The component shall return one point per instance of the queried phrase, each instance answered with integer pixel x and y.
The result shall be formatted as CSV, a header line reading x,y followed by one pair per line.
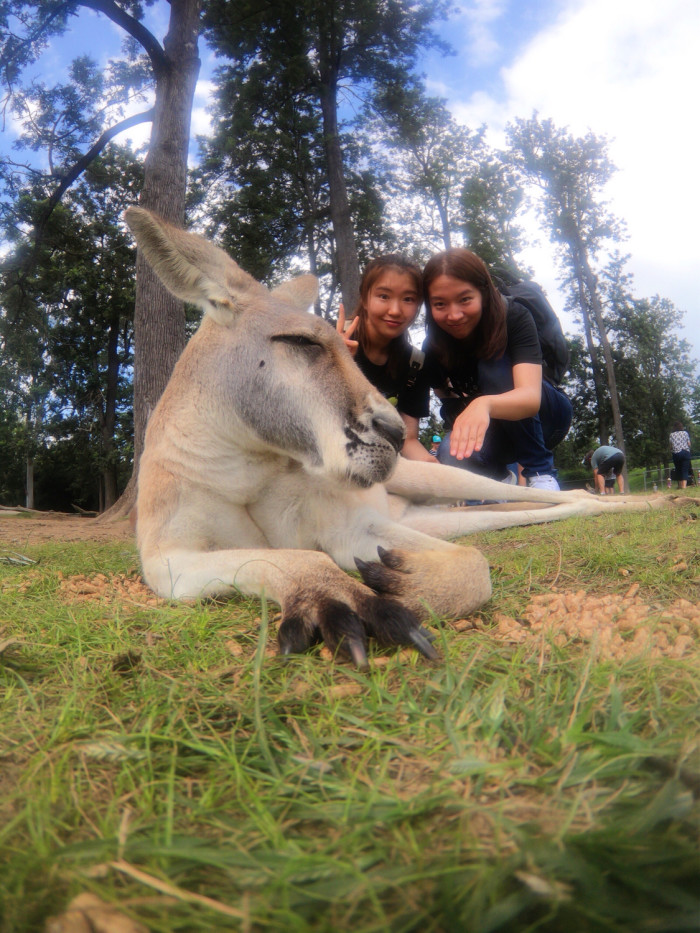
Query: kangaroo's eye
x,y
297,340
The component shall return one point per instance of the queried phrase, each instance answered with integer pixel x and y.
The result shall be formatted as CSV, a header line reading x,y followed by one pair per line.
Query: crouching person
x,y
603,461
484,361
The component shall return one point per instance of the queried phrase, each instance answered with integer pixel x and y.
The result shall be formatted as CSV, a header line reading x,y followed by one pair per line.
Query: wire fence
x,y
664,478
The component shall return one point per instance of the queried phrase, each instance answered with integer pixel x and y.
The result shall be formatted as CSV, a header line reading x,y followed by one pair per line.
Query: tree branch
x,y
136,30
75,171
79,167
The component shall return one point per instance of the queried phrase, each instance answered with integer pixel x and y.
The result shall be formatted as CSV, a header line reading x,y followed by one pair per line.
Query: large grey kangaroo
x,y
271,465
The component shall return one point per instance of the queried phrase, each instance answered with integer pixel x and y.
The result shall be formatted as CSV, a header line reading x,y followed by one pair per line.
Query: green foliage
x,y
580,390
435,155
291,181
60,120
262,179
172,68
572,173
67,334
363,39
66,301
11,449
654,370
655,374
491,200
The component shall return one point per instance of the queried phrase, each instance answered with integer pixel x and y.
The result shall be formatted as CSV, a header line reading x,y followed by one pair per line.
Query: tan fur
x,y
270,463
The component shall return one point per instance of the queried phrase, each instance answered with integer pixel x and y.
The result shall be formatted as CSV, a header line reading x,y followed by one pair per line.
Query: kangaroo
x,y
271,466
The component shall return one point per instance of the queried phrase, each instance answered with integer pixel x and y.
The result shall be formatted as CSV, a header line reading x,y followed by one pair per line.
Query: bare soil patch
x,y
20,529
102,587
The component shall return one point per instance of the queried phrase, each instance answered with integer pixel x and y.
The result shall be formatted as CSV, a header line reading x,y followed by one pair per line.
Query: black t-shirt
x,y
459,385
407,389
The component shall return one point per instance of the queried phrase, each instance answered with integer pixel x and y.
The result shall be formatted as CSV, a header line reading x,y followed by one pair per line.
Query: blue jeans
x,y
528,442
681,464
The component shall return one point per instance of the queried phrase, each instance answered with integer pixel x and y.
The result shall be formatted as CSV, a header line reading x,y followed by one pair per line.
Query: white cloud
x,y
626,70
481,16
201,117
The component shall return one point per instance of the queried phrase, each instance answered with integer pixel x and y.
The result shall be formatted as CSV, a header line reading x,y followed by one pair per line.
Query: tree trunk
x,y
313,267
607,355
444,221
159,318
583,269
346,253
108,486
603,430
29,483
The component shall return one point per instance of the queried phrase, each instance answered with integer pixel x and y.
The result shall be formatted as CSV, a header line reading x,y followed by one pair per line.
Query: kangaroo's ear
x,y
192,268
300,292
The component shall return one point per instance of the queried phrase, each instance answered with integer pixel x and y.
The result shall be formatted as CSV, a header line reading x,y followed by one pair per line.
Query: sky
x,y
624,69
628,70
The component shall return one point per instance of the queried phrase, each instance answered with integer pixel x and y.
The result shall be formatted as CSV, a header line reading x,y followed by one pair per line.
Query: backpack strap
x,y
415,364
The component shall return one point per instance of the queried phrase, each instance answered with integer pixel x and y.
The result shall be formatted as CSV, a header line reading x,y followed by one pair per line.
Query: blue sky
x,y
626,69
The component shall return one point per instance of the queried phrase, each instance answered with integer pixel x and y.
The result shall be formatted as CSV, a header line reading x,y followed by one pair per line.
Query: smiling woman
x,y
485,363
391,293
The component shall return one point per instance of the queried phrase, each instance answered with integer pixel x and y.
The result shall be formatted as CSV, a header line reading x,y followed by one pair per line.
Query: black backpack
x,y
555,350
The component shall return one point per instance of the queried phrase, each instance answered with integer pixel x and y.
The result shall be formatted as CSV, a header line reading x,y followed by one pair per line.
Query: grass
x,y
163,758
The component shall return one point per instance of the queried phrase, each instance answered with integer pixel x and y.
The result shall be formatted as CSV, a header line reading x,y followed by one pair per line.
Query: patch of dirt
x,y
620,626
19,529
88,912
101,587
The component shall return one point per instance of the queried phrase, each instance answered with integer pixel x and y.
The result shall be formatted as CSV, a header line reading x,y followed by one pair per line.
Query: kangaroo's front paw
x,y
328,620
346,623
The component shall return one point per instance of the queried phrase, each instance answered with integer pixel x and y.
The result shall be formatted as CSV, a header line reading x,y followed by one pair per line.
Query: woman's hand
x,y
522,401
470,427
352,345
412,448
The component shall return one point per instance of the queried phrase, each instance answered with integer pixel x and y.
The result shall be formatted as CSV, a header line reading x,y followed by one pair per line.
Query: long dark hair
x,y
491,335
400,346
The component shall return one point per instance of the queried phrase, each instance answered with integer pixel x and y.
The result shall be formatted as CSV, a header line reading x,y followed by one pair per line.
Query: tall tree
x,y
319,52
654,369
262,189
572,173
173,67
491,199
70,353
437,155
261,185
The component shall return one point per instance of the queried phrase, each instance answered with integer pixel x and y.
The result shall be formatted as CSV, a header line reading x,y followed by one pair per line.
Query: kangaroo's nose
x,y
390,426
